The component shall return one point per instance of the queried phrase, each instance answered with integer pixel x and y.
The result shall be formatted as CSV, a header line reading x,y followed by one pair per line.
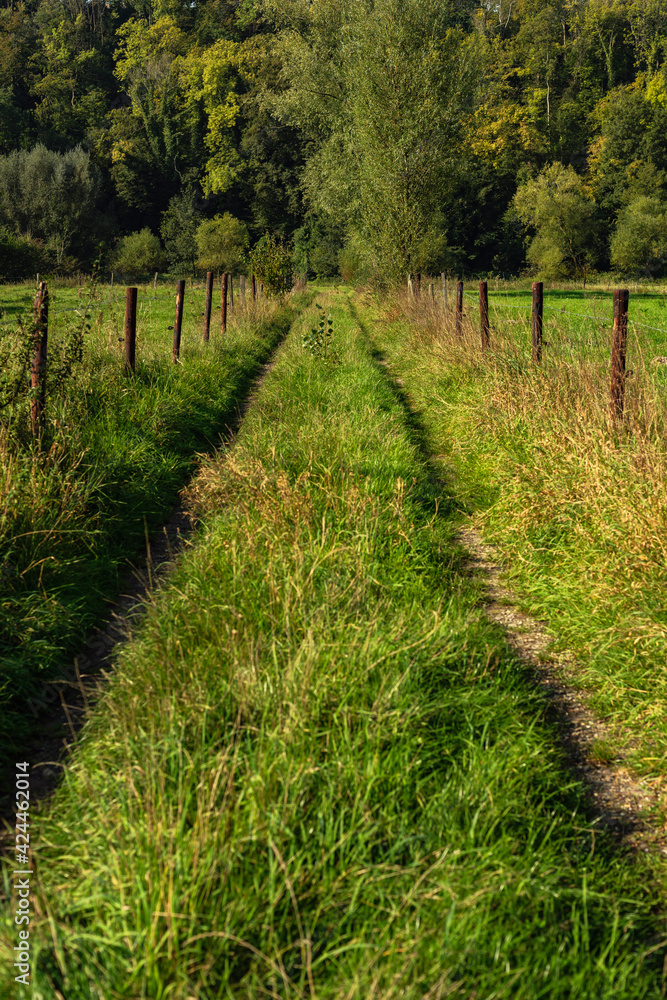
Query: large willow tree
x,y
382,89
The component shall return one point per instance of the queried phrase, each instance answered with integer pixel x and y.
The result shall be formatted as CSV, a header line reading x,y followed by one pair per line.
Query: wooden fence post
x,y
444,288
209,305
459,308
38,375
484,314
130,328
253,283
418,283
223,304
618,352
231,293
242,290
411,289
431,291
178,319
538,316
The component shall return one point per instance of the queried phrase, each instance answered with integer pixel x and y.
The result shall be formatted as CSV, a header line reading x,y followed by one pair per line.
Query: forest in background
x,y
376,137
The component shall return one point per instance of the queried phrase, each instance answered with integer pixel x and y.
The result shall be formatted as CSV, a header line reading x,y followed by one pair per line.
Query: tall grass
x,y
574,503
76,504
318,772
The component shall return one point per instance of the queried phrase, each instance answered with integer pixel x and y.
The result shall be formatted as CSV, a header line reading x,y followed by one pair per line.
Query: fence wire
x,y
566,312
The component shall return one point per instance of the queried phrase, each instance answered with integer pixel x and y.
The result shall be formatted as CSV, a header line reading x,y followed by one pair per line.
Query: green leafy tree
x,y
556,207
139,253
317,247
50,196
639,245
381,87
221,243
178,230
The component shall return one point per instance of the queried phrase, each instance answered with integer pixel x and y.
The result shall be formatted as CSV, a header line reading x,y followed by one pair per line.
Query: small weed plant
x,y
320,339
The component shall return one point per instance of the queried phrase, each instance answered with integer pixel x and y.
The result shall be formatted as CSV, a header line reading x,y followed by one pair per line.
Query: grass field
x,y
317,770
576,321
76,505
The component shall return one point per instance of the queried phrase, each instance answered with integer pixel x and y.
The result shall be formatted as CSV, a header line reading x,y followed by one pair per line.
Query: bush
x,y
221,243
139,253
272,262
556,205
639,245
20,258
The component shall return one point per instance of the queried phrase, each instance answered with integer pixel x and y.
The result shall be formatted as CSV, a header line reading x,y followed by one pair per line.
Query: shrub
x,y
19,257
221,242
139,253
639,244
272,262
556,205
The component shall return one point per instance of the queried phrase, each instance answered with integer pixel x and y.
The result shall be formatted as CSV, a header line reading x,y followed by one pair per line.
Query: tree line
x,y
376,137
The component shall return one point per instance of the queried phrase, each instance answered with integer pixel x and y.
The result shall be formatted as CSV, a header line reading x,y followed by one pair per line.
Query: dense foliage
x,y
379,136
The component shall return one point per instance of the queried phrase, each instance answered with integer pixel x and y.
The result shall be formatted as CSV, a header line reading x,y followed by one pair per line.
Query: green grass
x,y
574,506
115,452
577,322
318,771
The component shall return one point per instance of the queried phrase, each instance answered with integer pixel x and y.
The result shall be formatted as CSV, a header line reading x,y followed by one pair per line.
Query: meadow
x,y
317,769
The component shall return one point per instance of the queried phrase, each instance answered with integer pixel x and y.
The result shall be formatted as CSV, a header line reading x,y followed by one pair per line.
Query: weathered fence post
x,y
231,293
38,375
431,291
155,282
618,352
459,308
444,288
130,328
178,319
242,290
209,305
411,290
418,283
223,304
538,315
253,283
484,314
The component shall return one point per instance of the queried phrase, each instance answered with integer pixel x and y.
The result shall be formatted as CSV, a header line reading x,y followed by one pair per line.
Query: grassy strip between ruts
x,y
115,452
317,771
575,507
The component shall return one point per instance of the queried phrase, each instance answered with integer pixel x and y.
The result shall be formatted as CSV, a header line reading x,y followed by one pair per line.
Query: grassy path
x,y
575,508
318,772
